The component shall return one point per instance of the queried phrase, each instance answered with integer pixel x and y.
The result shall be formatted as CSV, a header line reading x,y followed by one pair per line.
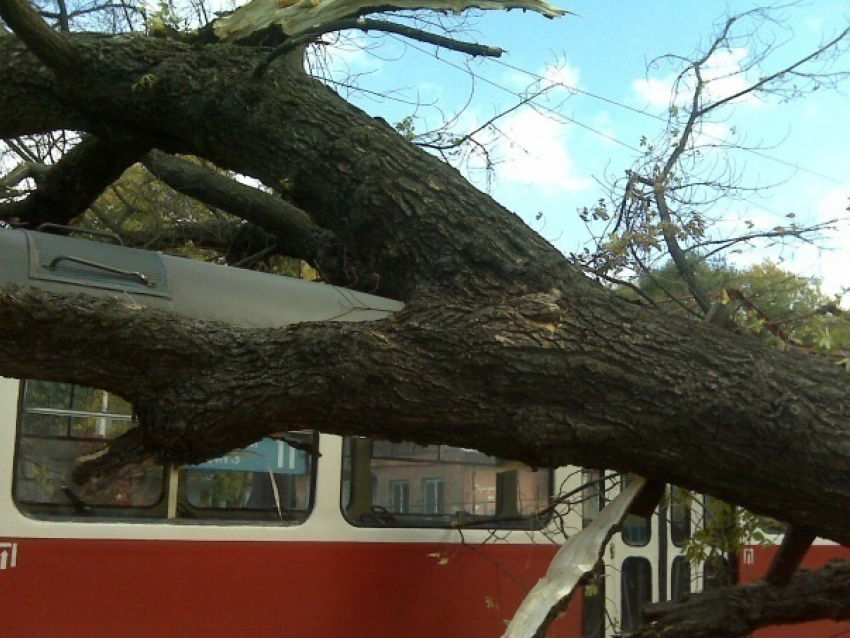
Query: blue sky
x,y
550,161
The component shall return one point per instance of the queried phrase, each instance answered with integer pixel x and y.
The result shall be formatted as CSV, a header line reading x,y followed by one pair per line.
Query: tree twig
x,y
365,25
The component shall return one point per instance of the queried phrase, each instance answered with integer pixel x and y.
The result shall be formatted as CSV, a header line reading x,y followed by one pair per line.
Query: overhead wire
x,y
606,100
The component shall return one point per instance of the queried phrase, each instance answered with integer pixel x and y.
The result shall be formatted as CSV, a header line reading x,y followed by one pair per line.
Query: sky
x,y
607,94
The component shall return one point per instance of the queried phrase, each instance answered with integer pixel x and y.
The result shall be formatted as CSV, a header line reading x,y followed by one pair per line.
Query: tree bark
x,y
733,612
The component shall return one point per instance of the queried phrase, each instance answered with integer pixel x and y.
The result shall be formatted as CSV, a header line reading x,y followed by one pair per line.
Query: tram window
x,y
409,485
593,604
680,578
680,516
593,495
636,590
772,526
269,480
57,424
636,529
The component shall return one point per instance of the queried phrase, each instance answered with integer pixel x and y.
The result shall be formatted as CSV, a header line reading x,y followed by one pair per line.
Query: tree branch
x,y
305,16
731,612
365,25
789,70
50,47
70,186
297,233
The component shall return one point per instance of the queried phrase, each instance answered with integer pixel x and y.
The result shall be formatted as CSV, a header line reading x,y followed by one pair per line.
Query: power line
x,y
661,119
519,96
606,100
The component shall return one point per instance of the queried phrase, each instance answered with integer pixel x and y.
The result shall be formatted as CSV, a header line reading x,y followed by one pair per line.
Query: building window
x,y
680,578
636,591
433,495
399,496
409,485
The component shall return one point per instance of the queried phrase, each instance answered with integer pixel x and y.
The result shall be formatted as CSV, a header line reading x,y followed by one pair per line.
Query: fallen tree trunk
x,y
504,346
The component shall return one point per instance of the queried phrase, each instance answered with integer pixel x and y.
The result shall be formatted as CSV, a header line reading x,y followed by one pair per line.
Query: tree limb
x,y
365,25
731,612
301,16
297,234
50,47
504,345
70,186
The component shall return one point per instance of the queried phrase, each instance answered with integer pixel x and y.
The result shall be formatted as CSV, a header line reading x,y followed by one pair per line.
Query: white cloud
x,y
725,78
722,75
560,76
826,260
351,53
556,75
535,152
655,91
832,267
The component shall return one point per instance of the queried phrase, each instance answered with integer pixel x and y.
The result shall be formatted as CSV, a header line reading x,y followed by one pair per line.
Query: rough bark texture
x,y
504,346
732,612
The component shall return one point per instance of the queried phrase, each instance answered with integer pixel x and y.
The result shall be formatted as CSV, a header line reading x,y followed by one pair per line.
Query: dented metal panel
x,y
190,288
95,264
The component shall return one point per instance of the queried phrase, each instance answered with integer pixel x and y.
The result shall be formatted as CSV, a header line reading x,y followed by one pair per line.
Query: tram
x,y
364,538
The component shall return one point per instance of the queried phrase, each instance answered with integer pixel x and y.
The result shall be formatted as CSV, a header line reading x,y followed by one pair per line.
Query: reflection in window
x,y
270,479
437,485
636,591
57,424
593,604
636,529
680,578
680,516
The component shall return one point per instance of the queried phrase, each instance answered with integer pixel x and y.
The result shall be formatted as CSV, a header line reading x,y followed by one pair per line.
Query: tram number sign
x,y
263,456
8,555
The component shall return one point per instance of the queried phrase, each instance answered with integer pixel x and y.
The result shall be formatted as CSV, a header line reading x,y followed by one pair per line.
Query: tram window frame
x,y
635,591
680,516
636,530
62,500
593,494
272,511
680,578
365,502
593,616
171,503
